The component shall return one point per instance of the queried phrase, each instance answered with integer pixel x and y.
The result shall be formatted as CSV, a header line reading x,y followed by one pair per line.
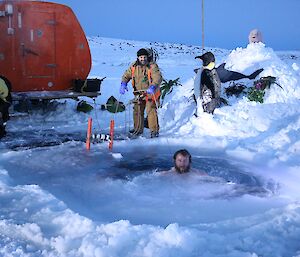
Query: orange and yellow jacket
x,y
140,76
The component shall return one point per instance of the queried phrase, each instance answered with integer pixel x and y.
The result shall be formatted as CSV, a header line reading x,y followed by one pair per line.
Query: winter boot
x,y
135,132
154,134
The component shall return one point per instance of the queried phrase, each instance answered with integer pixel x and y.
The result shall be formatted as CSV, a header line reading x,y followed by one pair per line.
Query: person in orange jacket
x,y
146,79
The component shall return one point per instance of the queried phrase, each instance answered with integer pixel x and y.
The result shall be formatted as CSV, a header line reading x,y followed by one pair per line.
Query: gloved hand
x,y
151,90
123,88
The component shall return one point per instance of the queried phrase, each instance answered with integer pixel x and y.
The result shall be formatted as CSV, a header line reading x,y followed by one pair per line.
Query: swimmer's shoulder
x,y
199,172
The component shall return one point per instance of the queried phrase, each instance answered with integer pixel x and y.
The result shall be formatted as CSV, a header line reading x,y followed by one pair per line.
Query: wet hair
x,y
184,153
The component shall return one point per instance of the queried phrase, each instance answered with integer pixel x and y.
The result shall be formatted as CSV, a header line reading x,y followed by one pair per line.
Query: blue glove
x,y
151,90
123,88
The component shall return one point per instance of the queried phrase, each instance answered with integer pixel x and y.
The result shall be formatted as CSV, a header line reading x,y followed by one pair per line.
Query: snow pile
x,y
257,56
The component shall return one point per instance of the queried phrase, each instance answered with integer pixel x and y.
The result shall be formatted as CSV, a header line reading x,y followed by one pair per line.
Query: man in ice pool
x,y
182,163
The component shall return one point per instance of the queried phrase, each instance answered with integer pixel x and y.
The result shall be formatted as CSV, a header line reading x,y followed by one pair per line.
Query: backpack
x,y
113,105
152,54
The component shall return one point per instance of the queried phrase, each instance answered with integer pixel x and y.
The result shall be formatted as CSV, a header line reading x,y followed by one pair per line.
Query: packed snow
x,y
58,199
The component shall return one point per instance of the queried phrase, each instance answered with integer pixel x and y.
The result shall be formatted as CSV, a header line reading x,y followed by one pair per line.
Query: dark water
x,y
30,139
160,158
97,185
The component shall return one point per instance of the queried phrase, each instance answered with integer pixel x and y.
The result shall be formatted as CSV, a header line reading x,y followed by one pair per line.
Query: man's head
x,y
142,55
182,161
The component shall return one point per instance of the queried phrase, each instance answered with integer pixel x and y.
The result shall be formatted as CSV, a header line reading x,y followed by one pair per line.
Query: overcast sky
x,y
227,22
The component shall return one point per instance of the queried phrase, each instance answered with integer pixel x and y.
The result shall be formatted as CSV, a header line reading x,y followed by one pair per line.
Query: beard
x,y
182,170
144,63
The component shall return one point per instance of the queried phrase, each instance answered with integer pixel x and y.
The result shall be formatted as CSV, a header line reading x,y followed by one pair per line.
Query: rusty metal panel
x,y
43,46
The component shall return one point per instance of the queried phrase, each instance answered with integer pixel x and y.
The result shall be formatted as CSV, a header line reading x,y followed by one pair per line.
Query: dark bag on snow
x,y
83,106
113,105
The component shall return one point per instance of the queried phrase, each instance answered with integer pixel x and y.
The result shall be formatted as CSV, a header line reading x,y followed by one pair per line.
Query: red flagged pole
x,y
111,134
89,134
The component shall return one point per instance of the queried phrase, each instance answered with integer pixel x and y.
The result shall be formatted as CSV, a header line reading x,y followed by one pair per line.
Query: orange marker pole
x,y
111,133
89,134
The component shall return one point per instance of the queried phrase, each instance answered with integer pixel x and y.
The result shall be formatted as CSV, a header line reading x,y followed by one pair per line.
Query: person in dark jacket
x,y
5,102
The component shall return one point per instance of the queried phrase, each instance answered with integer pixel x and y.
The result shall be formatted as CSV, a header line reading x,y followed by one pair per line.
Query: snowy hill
x,y
62,200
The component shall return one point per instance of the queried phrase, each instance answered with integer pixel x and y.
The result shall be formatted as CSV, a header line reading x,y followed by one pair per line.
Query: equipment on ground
x,y
113,105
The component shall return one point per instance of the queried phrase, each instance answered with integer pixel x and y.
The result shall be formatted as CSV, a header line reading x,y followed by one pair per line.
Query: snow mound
x,y
257,56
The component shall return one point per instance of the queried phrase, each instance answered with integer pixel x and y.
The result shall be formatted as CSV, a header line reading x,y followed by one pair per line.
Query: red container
x,y
42,46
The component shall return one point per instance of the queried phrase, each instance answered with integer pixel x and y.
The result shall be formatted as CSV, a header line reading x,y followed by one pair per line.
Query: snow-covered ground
x,y
63,200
